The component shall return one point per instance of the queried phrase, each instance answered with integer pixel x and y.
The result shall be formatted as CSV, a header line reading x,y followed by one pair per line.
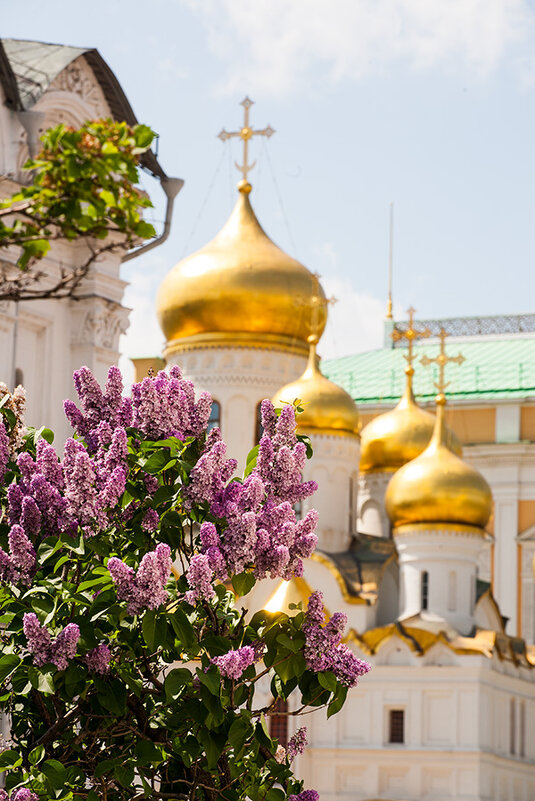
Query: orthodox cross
x,y
411,334
246,133
442,360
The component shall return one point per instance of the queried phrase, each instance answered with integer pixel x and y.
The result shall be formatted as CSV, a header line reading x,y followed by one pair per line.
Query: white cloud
x,y
272,45
355,321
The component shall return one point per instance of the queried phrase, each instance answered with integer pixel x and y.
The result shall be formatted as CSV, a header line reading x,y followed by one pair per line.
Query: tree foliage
x,y
129,670
83,188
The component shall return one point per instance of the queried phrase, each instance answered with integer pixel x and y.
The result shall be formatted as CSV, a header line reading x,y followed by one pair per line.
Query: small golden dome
x,y
327,408
438,487
240,288
396,437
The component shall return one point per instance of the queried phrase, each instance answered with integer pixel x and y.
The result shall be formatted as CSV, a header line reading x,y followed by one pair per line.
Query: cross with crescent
x,y
442,360
246,133
411,334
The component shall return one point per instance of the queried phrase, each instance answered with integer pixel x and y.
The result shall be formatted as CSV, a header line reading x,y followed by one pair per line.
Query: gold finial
x,y
390,257
442,360
245,133
411,334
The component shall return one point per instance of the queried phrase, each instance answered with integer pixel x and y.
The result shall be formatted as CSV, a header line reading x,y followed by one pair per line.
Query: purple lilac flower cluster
x,y
323,647
97,406
305,795
259,525
44,649
22,794
146,589
98,659
165,406
4,450
297,743
20,563
232,664
16,403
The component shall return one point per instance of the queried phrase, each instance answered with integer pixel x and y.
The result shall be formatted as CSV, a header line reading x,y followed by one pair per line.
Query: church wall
x,y
457,737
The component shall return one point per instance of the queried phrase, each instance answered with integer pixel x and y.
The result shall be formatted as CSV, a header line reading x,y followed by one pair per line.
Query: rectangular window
x,y
425,589
396,727
278,722
522,726
512,726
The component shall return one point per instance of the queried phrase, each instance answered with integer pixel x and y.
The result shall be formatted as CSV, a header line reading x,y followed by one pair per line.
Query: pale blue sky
x,y
428,104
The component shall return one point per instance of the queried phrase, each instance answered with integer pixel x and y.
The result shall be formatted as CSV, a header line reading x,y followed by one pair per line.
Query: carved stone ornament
x,y
99,322
79,79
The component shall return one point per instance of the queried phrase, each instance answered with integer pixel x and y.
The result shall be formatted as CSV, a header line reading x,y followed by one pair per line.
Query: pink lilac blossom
x,y
45,650
150,520
98,659
165,406
258,527
146,589
22,794
200,577
20,563
305,795
297,743
232,664
323,647
4,450
98,406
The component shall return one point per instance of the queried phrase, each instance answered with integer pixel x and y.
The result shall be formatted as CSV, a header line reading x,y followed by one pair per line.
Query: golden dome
x,y
438,487
396,437
240,288
327,408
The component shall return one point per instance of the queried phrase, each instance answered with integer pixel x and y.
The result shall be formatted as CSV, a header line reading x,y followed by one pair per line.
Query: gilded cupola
x,y
438,487
240,288
327,408
396,437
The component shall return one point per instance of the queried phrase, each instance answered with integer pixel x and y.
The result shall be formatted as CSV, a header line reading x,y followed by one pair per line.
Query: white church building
x,y
427,519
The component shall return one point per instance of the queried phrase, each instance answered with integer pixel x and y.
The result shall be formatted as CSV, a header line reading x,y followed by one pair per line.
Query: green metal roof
x,y
495,369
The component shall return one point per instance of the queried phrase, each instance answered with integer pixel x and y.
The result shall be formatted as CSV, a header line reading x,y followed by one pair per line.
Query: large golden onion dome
x,y
240,289
327,408
438,487
396,437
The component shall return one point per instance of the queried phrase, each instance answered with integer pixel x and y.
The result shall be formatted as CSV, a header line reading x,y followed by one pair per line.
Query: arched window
x,y
215,416
19,376
259,430
278,722
425,589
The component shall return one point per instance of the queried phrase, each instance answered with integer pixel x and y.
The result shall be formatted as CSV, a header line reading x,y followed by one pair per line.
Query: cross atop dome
x,y
245,134
442,360
411,334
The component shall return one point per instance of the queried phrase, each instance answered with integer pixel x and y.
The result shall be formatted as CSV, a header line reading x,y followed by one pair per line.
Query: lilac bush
x,y
127,669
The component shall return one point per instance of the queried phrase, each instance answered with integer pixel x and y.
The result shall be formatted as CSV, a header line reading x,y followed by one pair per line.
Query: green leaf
x,y
251,461
55,773
175,681
338,701
328,680
275,794
183,628
212,745
124,774
240,731
9,759
147,753
8,663
149,628
42,680
211,679
75,679
156,462
36,755
243,583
